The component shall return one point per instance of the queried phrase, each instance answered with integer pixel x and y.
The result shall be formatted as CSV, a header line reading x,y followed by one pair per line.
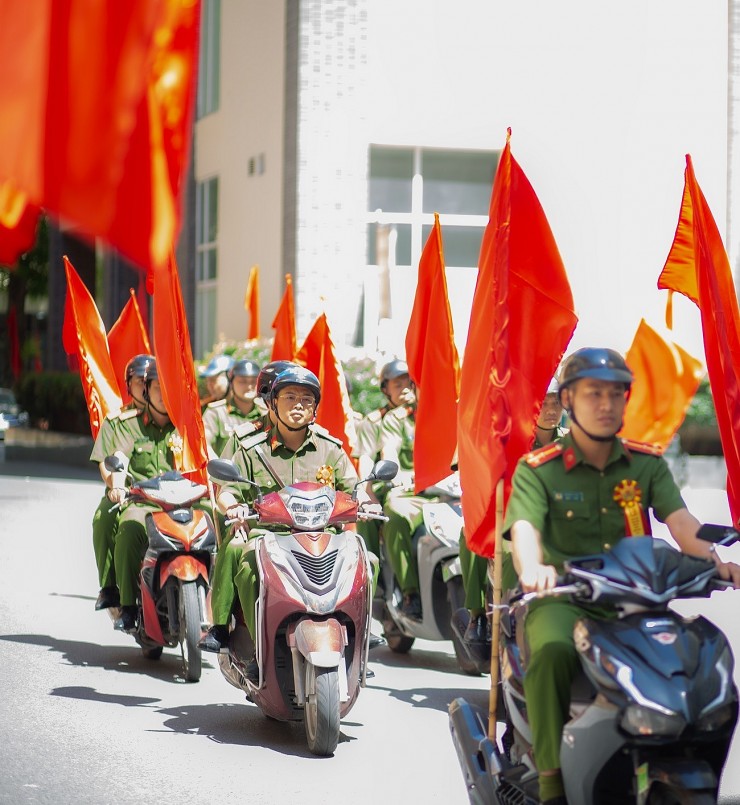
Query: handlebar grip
x,y
370,516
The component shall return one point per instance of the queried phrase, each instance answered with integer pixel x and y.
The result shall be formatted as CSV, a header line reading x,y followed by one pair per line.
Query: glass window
x,y
458,182
391,172
461,244
205,319
399,239
209,68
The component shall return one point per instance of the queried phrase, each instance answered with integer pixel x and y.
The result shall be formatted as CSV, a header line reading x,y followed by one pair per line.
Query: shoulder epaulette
x,y
247,428
324,433
249,440
217,403
544,454
642,447
129,414
374,416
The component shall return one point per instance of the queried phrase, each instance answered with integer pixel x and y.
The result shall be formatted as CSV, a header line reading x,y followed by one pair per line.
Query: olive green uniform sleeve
x,y
397,434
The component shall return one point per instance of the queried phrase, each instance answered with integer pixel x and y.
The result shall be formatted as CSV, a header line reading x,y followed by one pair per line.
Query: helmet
x,y
597,363
296,376
267,376
137,366
244,368
391,370
553,387
217,364
151,372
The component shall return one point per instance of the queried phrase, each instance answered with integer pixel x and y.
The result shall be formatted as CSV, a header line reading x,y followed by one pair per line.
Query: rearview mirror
x,y
384,471
114,464
224,471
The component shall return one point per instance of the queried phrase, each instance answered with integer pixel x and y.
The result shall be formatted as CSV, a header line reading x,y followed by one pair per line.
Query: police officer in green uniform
x,y
239,406
294,449
147,443
216,375
104,520
474,568
574,497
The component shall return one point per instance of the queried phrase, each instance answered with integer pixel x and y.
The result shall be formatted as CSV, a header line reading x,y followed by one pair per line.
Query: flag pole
x,y
496,622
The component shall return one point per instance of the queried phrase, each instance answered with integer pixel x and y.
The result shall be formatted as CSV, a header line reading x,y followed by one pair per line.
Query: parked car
x,y
11,415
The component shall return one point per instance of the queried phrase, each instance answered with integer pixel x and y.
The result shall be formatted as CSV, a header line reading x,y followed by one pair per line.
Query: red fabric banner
x,y
508,361
126,338
252,303
83,335
335,411
18,221
698,267
284,347
434,365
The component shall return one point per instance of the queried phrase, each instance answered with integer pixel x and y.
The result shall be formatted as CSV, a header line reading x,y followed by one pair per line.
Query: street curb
x,y
32,445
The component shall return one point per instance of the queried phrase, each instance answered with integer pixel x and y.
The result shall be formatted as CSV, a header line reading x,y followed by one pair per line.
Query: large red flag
x,y
335,410
521,321
177,371
284,348
97,103
666,379
11,322
17,224
126,338
434,366
252,303
698,267
83,335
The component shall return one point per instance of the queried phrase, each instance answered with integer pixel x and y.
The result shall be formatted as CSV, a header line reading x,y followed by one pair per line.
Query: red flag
x,y
177,371
11,322
666,379
284,348
252,303
83,335
434,366
521,321
17,224
335,410
697,267
97,105
126,338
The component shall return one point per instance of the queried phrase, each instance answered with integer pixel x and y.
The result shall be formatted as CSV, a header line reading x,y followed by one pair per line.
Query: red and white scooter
x,y
314,607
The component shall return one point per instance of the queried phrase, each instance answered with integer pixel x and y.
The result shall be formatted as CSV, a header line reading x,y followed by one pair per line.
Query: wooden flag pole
x,y
496,622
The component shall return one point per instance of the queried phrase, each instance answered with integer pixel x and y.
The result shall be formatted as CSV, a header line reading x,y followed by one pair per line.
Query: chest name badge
x,y
629,496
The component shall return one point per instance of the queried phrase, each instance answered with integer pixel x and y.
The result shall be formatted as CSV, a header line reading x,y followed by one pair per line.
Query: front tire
x,y
663,794
322,710
190,630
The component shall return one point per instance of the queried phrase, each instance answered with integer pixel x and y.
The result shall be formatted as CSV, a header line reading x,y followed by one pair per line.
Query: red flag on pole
x,y
14,345
177,371
83,335
284,348
508,361
97,103
335,410
697,267
434,366
126,338
252,303
18,221
666,378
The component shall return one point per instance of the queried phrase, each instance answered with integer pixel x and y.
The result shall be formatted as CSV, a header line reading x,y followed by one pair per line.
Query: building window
x,y
209,69
206,264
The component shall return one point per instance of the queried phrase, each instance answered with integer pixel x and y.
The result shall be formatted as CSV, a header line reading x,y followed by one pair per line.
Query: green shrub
x,y
701,411
54,400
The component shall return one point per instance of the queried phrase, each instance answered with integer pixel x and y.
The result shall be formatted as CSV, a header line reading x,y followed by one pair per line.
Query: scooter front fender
x,y
322,643
185,567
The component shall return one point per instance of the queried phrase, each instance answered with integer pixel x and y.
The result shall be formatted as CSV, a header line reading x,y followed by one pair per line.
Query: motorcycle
x,y
313,612
653,713
174,579
437,545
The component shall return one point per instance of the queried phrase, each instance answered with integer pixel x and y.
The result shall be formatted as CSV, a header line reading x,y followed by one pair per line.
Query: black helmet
x,y
267,376
137,367
151,372
297,376
597,363
391,370
217,365
244,368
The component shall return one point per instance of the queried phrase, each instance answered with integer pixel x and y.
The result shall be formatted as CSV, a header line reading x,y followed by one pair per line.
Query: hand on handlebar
x,y
239,515
728,571
371,511
537,578
117,494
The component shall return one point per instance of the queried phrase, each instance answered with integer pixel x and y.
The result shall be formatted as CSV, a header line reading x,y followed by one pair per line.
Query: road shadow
x,y
417,658
49,470
435,698
121,659
91,695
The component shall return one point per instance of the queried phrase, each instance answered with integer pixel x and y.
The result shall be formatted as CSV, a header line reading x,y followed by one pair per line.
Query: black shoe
x,y
369,673
253,670
108,597
216,639
478,630
128,618
411,606
375,641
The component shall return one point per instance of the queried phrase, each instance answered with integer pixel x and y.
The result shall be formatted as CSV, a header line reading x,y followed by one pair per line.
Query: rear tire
x,y
456,599
322,710
190,630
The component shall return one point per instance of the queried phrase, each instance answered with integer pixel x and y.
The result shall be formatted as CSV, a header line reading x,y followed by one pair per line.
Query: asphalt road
x,y
84,718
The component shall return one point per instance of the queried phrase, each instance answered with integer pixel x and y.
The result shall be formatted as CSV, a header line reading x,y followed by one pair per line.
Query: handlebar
x,y
579,589
370,516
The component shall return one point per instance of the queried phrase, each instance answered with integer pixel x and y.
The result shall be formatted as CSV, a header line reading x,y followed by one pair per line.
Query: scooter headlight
x,y
640,720
717,718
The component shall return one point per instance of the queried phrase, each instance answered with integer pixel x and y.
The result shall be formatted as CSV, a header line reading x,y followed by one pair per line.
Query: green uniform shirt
x,y
321,456
369,432
147,446
572,502
397,432
221,418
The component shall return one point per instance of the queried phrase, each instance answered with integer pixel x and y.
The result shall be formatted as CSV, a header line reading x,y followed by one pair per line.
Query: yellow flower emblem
x,y
175,444
325,475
